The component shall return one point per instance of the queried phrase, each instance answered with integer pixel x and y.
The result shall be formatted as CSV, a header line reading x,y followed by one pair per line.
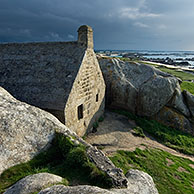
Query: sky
x,y
117,24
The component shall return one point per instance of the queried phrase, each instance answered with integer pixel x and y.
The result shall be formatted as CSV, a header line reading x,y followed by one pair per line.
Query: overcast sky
x,y
117,24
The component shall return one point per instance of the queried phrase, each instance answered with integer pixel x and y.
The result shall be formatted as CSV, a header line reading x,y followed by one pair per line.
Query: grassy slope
x,y
63,158
177,73
168,178
170,137
186,85
172,178
189,86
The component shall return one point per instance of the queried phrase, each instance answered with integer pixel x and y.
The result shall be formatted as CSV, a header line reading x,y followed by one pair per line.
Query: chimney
x,y
85,36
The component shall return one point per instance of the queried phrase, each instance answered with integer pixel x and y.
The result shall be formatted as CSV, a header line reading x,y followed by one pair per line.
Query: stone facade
x,y
61,77
86,100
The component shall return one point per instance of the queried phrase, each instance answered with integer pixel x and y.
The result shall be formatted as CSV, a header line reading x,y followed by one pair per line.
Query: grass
x,y
63,158
138,131
96,124
181,74
176,176
186,77
170,137
175,72
189,86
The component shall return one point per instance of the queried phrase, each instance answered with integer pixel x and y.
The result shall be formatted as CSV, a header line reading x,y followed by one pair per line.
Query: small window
x,y
96,97
80,111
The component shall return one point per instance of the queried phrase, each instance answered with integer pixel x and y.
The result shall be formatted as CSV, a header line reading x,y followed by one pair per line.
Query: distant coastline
x,y
175,58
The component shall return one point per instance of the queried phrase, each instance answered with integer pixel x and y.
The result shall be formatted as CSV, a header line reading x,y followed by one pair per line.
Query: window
x,y
80,111
96,97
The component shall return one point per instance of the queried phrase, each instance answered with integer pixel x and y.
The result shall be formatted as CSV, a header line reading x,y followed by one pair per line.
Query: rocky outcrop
x,y
147,91
190,101
103,163
155,94
136,87
177,102
172,118
34,183
84,189
26,130
139,182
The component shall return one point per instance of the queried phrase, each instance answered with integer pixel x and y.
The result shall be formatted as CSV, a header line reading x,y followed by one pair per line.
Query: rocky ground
x,y
26,131
116,133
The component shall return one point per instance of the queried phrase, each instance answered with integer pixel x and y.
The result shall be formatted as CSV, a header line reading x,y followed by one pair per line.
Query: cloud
x,y
141,25
135,13
70,36
55,36
117,24
162,27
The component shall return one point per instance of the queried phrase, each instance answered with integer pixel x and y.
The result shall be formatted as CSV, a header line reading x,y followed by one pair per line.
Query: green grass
x,y
138,131
175,72
181,74
170,137
63,158
168,177
189,86
184,76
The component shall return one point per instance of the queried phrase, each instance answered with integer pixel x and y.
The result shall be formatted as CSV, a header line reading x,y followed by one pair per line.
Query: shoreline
x,y
186,69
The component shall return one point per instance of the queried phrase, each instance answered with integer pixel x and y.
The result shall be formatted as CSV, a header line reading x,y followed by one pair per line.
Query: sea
x,y
176,56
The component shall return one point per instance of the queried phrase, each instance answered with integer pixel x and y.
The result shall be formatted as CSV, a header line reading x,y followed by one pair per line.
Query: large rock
x,y
139,183
190,101
26,130
136,87
34,183
84,189
155,94
103,163
145,90
172,118
177,102
120,91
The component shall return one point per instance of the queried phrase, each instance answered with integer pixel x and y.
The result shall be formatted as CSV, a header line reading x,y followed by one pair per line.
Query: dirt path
x,y
115,133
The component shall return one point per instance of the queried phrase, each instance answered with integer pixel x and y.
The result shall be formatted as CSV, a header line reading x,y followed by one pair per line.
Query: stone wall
x,y
63,78
40,74
87,92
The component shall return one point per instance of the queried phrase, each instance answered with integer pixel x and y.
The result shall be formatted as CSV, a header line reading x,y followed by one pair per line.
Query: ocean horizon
x,y
177,56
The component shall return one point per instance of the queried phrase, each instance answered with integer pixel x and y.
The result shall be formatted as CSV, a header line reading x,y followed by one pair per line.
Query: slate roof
x,y
40,74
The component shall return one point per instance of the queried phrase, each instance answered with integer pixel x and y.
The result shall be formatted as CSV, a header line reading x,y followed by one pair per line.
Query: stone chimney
x,y
85,36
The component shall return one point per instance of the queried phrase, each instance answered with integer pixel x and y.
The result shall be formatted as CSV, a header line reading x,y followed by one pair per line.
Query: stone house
x,y
63,78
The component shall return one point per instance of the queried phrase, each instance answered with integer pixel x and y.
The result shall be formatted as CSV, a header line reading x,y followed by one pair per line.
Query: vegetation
x,y
171,174
189,86
138,131
63,158
101,119
170,137
185,76
96,124
128,59
177,73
